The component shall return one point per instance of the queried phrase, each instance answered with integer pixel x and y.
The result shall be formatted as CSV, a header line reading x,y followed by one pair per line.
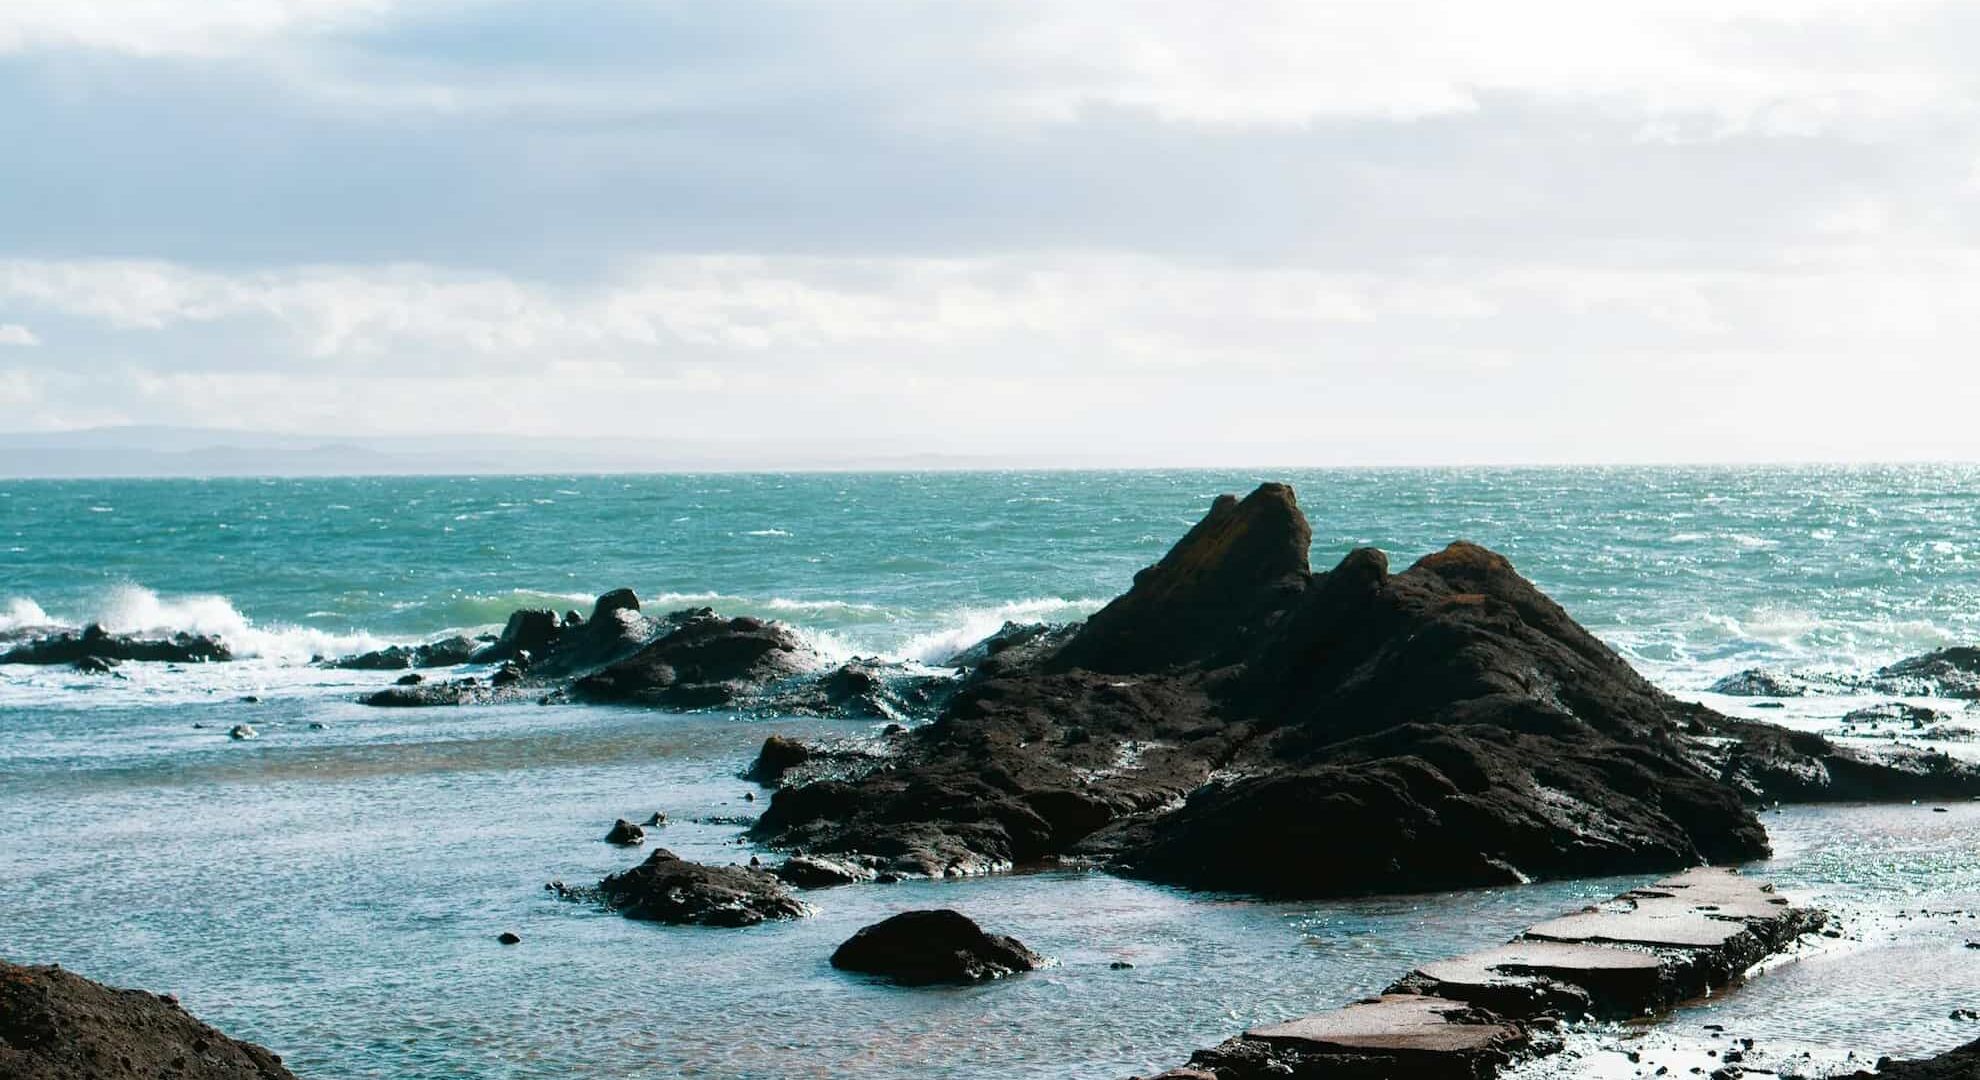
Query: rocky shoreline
x,y
1237,721
55,1025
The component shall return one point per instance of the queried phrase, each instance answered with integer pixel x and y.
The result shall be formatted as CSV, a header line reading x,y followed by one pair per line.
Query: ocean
x,y
333,888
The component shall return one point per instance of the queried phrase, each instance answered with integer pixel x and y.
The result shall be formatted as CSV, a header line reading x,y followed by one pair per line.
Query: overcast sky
x,y
1325,232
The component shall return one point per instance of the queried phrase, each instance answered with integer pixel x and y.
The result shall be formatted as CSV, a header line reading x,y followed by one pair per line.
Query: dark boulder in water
x,y
532,630
704,660
95,665
922,948
1235,721
667,888
55,1025
626,833
780,754
97,644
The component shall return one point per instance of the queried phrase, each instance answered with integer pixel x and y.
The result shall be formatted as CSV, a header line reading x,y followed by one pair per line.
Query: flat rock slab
x,y
1700,909
1469,1017
1397,1023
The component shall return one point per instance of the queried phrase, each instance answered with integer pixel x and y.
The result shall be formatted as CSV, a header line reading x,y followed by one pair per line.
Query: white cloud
x,y
16,334
205,28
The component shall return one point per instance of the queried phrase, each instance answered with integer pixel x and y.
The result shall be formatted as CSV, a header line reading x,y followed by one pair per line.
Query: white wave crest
x,y
134,609
967,626
22,612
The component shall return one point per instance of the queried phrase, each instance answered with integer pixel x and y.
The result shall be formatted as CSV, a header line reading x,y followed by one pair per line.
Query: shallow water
x,y
335,892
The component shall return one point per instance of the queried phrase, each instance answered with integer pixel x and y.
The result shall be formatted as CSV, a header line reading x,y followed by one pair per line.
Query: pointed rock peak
x,y
1236,566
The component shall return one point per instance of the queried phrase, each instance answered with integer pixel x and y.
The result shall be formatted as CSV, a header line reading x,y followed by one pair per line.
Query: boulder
x,y
1759,682
667,888
920,948
531,630
446,652
55,1025
1953,672
778,756
95,642
703,660
626,833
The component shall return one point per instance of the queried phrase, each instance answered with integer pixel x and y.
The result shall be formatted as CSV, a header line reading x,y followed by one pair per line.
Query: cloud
x,y
16,334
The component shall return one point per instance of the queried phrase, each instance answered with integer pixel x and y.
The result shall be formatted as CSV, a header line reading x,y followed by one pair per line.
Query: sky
x,y
1312,232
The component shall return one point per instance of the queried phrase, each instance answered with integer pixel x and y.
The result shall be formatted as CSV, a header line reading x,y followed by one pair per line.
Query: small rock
x,y
243,732
918,948
413,679
625,833
509,937
657,820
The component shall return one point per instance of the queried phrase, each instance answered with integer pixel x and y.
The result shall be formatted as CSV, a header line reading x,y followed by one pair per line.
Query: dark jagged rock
x,y
532,630
921,948
704,660
94,642
1209,597
626,833
55,1025
615,631
447,652
1237,722
667,888
1962,1063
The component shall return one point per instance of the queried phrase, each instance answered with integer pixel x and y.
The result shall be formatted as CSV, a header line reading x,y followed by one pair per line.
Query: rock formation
x,y
94,643
667,888
1237,721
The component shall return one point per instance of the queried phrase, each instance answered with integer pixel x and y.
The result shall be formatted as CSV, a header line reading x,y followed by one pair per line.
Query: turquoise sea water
x,y
334,891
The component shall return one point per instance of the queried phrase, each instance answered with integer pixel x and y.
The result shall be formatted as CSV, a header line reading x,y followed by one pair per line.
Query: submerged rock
x,y
94,643
55,1025
920,948
667,888
242,732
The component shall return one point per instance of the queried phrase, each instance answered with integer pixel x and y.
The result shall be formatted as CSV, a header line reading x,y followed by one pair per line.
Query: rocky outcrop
x,y
1962,1063
812,872
446,652
1469,1017
625,834
1774,764
667,888
93,644
55,1025
922,948
1237,722
703,660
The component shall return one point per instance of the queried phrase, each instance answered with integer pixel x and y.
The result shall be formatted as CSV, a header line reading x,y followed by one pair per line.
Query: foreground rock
x,y
920,948
94,646
1960,1064
667,888
55,1025
1469,1017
